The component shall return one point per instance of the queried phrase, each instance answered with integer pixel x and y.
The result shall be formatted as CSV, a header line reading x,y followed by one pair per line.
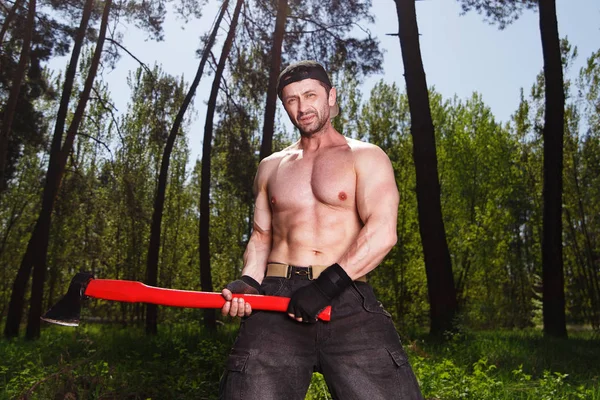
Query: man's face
x,y
307,104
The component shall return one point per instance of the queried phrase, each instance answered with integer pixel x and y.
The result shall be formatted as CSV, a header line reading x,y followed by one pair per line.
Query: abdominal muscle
x,y
314,235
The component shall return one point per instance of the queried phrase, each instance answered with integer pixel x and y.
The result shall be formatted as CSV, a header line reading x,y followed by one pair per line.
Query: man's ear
x,y
332,97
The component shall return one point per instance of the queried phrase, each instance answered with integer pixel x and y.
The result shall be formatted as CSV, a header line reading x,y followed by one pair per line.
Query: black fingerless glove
x,y
245,285
309,300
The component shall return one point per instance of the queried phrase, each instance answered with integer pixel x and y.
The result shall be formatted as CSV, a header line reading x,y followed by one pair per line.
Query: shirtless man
x,y
325,216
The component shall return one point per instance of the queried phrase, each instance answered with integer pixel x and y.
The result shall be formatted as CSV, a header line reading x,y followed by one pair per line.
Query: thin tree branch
x,y
110,110
213,63
225,89
132,56
93,138
6,9
323,27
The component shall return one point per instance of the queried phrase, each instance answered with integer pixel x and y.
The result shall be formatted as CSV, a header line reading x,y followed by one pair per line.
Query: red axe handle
x,y
133,292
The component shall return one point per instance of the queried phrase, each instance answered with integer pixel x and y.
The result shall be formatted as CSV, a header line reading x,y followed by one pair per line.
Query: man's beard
x,y
315,126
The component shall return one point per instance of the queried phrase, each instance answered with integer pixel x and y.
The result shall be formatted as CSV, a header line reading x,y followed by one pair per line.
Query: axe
x,y
83,285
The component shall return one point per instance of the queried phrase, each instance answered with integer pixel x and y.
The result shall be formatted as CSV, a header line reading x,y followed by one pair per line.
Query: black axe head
x,y
68,309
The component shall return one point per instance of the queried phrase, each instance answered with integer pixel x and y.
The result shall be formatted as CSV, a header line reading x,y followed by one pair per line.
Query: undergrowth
x,y
183,362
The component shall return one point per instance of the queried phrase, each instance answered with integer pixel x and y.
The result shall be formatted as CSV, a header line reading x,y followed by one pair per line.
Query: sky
x,y
461,53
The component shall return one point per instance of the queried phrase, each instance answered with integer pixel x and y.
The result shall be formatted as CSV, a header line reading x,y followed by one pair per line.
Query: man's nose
x,y
302,106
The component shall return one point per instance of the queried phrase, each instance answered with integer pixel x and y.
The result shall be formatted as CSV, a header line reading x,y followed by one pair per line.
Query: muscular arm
x,y
377,206
377,202
259,245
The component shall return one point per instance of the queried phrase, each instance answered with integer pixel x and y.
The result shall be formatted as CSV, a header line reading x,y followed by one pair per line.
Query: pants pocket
x,y
407,384
231,385
399,357
365,294
272,286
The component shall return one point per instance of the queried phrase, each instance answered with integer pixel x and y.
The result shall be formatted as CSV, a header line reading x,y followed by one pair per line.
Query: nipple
x,y
273,200
342,196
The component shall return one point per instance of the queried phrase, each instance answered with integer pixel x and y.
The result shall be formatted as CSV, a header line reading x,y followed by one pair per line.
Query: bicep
x,y
262,205
377,193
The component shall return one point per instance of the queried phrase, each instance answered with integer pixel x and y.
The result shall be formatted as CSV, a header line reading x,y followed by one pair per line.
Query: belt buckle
x,y
306,272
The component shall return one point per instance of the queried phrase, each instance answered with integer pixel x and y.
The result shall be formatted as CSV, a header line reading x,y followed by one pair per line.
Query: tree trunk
x,y
553,297
204,237
54,176
15,310
266,146
13,98
438,266
9,17
159,201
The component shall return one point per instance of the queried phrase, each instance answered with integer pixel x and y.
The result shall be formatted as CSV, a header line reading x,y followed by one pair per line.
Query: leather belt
x,y
287,271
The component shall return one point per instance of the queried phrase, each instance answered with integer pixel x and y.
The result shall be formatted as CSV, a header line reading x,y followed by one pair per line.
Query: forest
x,y
498,224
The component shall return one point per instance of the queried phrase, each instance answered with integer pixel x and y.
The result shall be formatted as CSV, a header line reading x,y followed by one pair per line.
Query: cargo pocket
x,y
237,362
407,385
231,385
398,356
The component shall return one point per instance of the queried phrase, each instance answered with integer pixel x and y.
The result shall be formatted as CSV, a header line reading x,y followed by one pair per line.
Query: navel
x,y
342,196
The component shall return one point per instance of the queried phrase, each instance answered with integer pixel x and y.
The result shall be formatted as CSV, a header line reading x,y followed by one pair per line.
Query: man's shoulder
x,y
277,156
271,162
365,150
359,145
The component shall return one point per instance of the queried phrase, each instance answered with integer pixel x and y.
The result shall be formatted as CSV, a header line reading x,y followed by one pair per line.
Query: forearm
x,y
257,254
374,241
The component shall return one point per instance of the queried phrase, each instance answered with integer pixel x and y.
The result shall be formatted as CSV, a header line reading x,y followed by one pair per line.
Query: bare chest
x,y
328,179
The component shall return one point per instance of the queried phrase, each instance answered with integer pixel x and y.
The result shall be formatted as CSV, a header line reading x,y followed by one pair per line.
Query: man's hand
x,y
308,301
238,307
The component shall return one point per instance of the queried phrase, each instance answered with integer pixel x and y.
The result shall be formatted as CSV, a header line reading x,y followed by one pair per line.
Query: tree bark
x,y
159,201
15,310
204,237
553,297
438,266
15,90
266,146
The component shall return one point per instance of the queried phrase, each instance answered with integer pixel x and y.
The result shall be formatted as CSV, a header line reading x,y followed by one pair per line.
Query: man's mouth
x,y
306,118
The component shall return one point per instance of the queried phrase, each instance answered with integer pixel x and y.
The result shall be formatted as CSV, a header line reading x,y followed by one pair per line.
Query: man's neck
x,y
326,137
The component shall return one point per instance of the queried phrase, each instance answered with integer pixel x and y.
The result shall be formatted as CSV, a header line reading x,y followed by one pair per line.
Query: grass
x,y
100,362
108,362
508,365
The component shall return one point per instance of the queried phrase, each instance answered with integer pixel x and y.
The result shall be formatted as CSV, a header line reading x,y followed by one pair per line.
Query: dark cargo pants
x,y
358,352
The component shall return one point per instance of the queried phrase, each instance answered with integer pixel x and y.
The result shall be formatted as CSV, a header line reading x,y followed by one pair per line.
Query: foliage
x,y
385,121
498,12
106,361
508,365
186,362
316,30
